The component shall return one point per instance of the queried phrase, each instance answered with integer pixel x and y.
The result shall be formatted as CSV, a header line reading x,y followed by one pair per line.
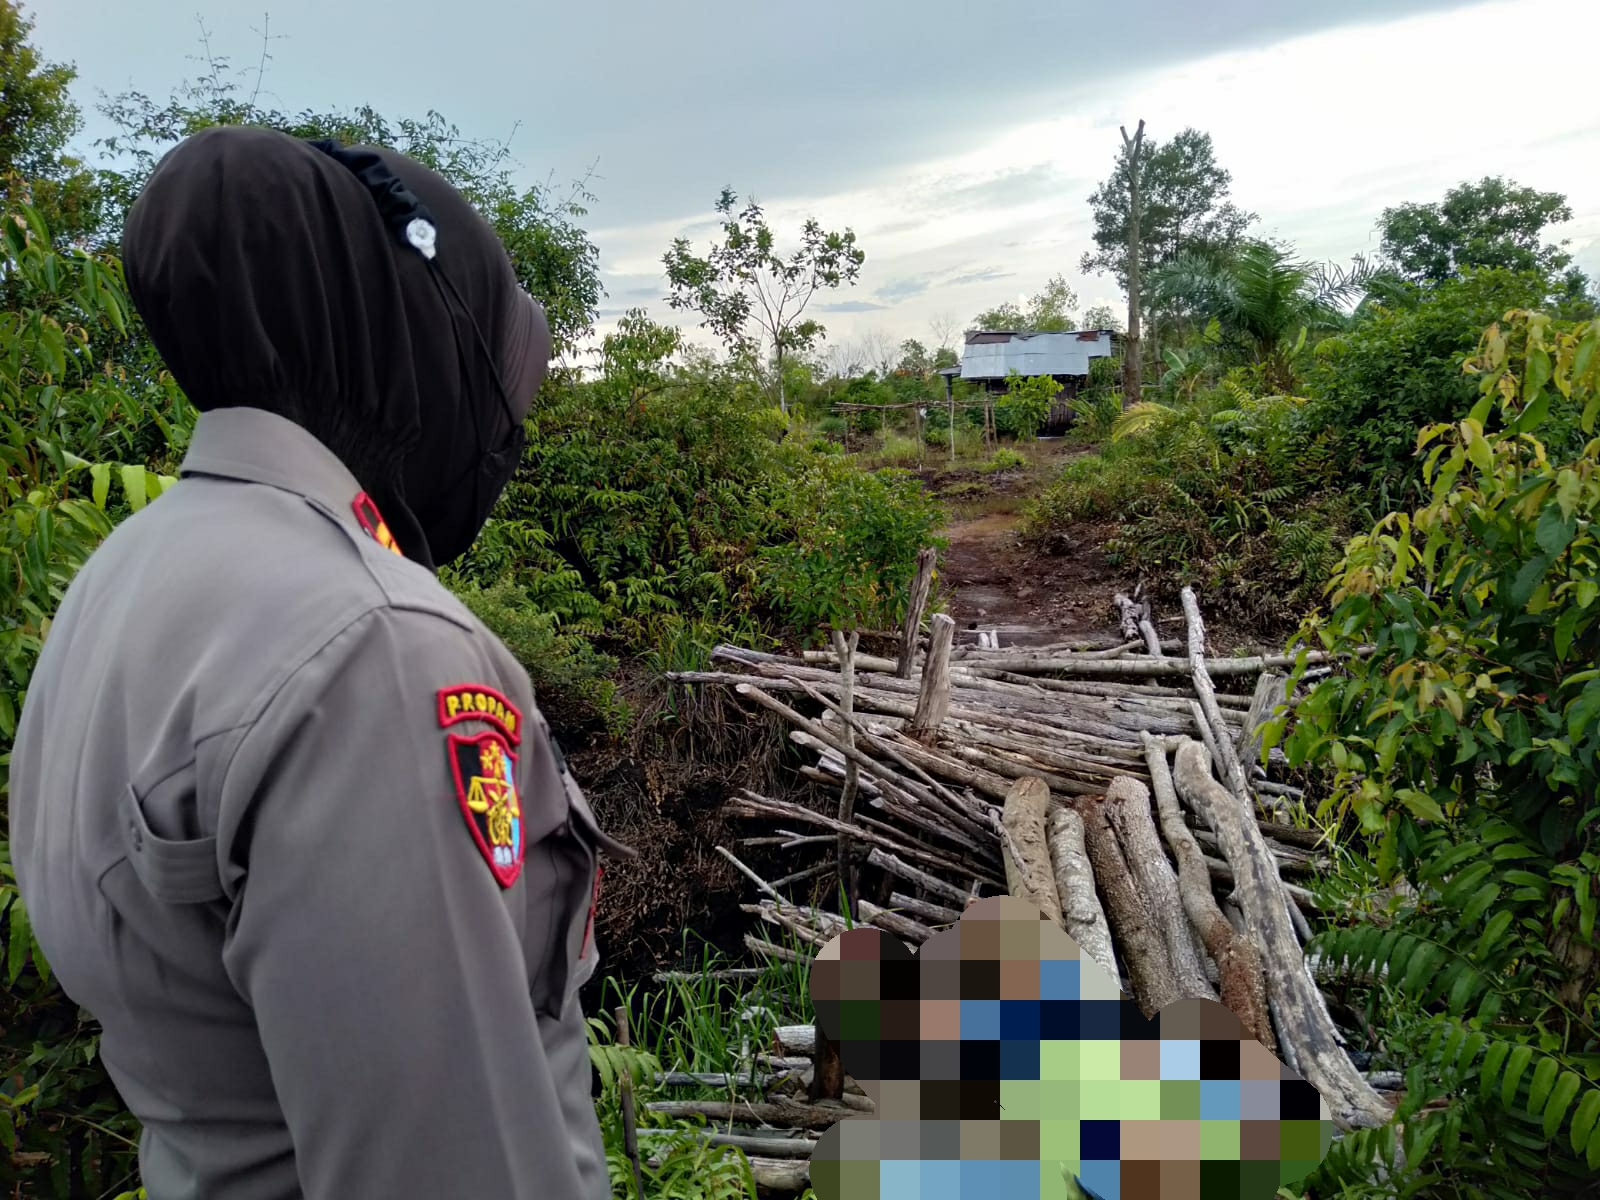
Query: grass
x,y
695,1023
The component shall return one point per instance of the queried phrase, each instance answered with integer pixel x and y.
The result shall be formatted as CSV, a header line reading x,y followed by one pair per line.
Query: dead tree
x,y
1131,374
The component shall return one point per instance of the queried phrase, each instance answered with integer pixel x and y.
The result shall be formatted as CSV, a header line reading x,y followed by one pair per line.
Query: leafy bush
x,y
1027,402
1237,494
66,394
1005,459
1399,370
1467,743
853,549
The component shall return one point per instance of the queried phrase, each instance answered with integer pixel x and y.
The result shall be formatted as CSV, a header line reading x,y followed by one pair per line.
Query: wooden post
x,y
1025,845
921,586
933,702
1131,364
630,1128
950,399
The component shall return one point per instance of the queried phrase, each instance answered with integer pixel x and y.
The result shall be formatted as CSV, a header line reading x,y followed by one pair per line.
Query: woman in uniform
x,y
250,816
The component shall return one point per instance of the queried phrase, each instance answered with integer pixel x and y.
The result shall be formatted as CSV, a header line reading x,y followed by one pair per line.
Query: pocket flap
x,y
177,872
579,805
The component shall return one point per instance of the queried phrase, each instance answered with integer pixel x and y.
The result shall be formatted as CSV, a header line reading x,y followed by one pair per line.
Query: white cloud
x,y
1321,132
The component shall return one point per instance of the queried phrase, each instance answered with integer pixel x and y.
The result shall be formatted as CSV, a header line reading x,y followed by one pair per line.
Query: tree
x,y
1491,223
743,280
1102,316
1132,266
1028,401
1185,205
944,328
1265,302
37,120
1051,309
914,358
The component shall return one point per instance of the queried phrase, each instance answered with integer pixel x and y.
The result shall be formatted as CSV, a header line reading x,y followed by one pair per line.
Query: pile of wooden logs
x,y
1117,785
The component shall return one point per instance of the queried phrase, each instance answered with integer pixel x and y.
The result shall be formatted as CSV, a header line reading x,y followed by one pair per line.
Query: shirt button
x,y
138,838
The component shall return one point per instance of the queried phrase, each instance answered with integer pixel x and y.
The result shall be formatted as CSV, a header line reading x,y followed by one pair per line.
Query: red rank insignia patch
x,y
370,519
485,772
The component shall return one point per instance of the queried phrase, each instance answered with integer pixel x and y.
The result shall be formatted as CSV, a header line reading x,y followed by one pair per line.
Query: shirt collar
x,y
257,446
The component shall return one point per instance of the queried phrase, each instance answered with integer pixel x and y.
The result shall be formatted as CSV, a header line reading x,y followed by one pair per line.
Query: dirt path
x,y
992,581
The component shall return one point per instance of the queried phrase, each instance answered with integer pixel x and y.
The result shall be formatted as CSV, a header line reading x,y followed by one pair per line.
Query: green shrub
x,y
77,423
1005,459
1400,370
853,548
831,426
1466,743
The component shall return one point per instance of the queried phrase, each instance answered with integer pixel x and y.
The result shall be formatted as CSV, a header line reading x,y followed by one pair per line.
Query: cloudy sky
x,y
960,147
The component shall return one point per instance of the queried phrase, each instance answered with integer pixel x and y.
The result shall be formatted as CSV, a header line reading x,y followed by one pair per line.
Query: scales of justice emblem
x,y
485,776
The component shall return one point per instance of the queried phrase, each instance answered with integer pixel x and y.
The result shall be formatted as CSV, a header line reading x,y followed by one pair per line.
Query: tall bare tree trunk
x,y
1131,363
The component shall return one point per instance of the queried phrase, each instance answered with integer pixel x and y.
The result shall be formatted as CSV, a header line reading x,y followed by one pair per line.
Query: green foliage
x,y
1399,369
37,120
1028,402
1492,223
1005,459
1265,305
1051,309
1466,743
75,425
1236,494
853,550
743,280
1185,202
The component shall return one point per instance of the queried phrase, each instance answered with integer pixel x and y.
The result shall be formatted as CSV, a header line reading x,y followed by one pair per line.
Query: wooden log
x,y
928,883
1223,873
796,1039
769,950
1143,949
720,975
933,914
845,647
785,1064
892,922
933,703
783,1116
921,586
1026,847
1081,914
1127,804
1142,666
1305,1028
1243,987
998,769
1269,695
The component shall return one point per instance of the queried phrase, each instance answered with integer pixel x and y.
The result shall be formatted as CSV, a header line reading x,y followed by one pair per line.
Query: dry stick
x,y
928,883
901,927
749,804
750,875
1269,695
1144,666
846,648
770,950
1081,914
1243,986
1305,1029
1229,766
921,586
630,1128
933,704
1143,949
1299,897
1026,847
1127,805
934,913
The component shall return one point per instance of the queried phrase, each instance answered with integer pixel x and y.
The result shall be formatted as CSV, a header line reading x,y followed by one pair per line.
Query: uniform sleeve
x,y
385,963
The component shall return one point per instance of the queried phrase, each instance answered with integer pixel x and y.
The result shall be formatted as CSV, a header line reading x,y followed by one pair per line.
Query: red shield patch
x,y
485,773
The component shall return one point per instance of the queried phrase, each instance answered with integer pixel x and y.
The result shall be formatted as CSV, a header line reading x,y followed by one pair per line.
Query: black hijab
x,y
268,278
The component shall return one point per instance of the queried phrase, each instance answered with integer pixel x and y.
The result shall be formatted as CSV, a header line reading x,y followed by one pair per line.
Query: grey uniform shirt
x,y
242,819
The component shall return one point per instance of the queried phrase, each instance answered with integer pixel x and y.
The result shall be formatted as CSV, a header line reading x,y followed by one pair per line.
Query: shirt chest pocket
x,y
173,870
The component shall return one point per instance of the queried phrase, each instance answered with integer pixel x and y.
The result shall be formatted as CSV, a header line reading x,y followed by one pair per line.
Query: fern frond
x,y
1140,419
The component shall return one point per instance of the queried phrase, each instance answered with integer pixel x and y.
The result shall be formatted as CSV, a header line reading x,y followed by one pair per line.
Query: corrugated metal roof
x,y
994,354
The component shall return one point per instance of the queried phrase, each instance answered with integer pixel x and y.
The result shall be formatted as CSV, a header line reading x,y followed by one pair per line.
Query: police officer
x,y
285,814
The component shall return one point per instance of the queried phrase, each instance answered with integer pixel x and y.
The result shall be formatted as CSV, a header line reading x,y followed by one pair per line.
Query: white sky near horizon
x,y
965,180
